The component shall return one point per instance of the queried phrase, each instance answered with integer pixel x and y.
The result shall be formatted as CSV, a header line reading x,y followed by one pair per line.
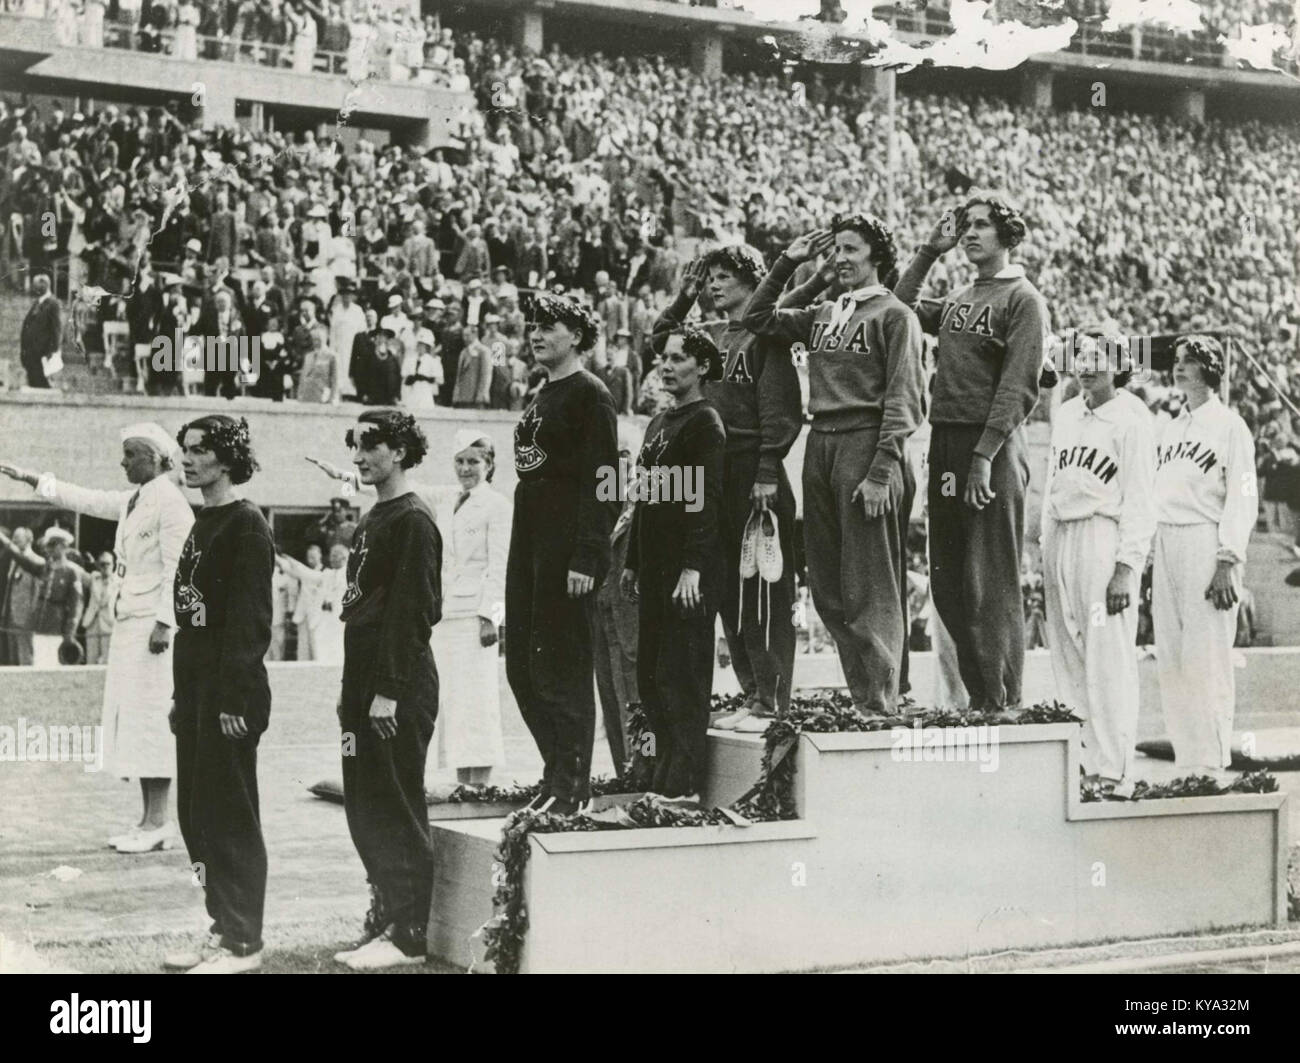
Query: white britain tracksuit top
x,y
1205,474
1098,510
1206,503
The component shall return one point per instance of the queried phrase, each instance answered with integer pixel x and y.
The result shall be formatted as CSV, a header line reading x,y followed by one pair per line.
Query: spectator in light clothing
x,y
59,598
100,605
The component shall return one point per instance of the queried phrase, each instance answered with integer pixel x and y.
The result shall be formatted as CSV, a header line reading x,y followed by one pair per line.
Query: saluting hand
x,y
944,236
693,278
810,245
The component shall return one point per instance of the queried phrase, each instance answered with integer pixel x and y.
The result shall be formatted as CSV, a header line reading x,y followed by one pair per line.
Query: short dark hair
x,y
1007,219
229,442
875,234
699,345
395,428
556,309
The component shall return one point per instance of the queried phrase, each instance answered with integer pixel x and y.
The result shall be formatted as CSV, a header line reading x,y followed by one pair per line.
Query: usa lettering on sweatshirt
x,y
1103,465
1205,474
863,372
992,334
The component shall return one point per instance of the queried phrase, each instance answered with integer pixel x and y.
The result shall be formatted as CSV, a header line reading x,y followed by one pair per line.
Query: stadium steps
x,y
76,377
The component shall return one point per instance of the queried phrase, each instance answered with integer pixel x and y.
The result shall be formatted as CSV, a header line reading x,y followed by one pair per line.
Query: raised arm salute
x,y
864,370
990,353
153,521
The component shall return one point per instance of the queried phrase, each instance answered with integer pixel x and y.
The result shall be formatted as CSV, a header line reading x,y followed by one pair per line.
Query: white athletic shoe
x,y
380,954
770,563
752,725
749,547
226,962
148,841
188,959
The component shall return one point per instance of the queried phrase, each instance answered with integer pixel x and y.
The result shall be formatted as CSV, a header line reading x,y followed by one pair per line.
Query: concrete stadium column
x,y
706,55
1036,89
1190,104
528,30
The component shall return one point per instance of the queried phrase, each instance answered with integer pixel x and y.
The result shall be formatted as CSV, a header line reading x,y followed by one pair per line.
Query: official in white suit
x,y
320,602
475,526
153,522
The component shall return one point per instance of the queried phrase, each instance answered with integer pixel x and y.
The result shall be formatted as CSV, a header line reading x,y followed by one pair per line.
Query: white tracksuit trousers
x,y
1193,646
1094,654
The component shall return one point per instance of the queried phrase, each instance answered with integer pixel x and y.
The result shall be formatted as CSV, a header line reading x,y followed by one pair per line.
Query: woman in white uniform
x,y
474,521
475,526
153,522
1206,506
1098,519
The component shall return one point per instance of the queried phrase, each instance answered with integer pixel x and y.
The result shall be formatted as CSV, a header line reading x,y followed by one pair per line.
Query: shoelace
x,y
765,589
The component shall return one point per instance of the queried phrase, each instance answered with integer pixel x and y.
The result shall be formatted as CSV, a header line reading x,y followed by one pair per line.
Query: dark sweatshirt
x,y
395,587
865,375
991,336
222,596
758,395
564,440
666,535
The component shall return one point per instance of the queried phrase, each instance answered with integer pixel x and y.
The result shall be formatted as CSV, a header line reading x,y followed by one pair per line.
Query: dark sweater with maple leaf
x,y
673,533
565,442
395,589
222,596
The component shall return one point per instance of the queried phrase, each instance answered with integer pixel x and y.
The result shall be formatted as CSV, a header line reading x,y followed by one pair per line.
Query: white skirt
x,y
468,732
138,743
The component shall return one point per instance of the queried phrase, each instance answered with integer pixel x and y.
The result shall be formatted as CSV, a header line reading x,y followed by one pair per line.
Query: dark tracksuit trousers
x,y
762,651
217,804
975,562
855,565
383,786
675,676
548,636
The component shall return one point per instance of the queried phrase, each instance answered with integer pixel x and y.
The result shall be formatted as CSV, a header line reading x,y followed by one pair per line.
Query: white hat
x,y
318,211
425,336
469,437
153,434
193,245
55,533
394,300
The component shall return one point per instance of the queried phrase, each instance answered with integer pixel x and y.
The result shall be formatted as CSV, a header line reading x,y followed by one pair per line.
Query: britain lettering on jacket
x,y
1187,450
1087,459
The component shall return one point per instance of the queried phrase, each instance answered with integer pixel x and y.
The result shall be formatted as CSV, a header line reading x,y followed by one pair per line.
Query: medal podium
x,y
894,856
